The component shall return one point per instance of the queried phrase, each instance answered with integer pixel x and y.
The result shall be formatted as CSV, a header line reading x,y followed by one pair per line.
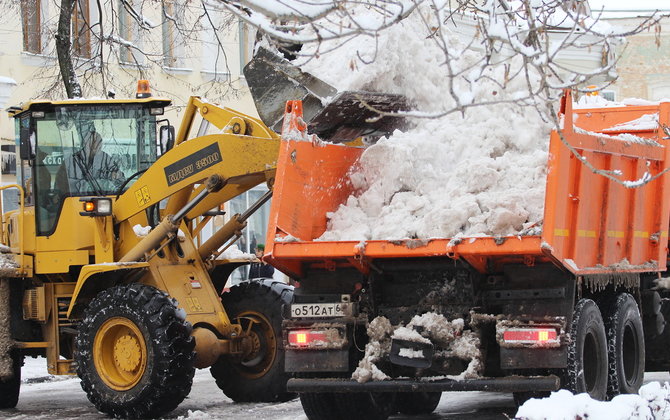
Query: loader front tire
x,y
259,376
134,352
9,388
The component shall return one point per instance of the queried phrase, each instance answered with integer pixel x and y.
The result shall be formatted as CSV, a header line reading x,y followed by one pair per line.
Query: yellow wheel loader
x,y
104,272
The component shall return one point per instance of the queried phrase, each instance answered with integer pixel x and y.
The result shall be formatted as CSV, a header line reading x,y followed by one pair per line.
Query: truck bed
x,y
592,225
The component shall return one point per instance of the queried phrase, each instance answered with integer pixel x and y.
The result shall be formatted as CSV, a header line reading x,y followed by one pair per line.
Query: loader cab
x,y
78,148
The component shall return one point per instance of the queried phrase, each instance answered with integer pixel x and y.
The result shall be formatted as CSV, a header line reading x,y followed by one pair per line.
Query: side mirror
x,y
26,146
166,138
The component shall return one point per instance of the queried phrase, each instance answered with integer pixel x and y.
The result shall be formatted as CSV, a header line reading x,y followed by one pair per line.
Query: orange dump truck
x,y
580,306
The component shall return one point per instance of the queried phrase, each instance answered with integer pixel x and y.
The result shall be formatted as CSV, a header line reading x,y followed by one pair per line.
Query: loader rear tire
x,y
587,352
260,376
135,352
417,402
625,341
351,406
9,388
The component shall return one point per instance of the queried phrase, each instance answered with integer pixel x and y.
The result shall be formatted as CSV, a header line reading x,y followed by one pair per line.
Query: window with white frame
x,y
31,15
81,29
257,225
214,60
247,36
173,38
129,32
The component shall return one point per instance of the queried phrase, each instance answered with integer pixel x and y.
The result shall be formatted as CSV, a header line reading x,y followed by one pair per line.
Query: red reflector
x,y
529,335
304,338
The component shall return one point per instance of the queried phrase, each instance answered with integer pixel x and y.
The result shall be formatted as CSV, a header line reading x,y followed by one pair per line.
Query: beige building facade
x,y
182,48
644,61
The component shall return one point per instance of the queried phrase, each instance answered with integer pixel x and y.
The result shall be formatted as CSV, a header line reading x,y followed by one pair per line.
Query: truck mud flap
x,y
507,384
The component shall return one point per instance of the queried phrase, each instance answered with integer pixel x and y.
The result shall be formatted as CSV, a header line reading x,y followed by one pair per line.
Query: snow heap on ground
x,y
651,403
449,337
481,172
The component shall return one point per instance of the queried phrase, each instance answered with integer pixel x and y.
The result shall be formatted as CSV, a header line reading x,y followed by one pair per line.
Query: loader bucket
x,y
331,115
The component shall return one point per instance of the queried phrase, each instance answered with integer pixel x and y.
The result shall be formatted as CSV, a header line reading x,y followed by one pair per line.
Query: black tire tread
x,y
417,402
573,372
617,308
9,388
267,297
320,406
171,378
350,406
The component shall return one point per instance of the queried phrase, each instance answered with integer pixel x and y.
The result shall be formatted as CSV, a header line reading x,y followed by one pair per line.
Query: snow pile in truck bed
x,y
477,173
651,403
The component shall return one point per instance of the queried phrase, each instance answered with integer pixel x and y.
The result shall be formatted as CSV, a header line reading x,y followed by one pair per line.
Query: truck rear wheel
x,y
260,376
417,402
625,343
135,352
359,406
587,352
9,388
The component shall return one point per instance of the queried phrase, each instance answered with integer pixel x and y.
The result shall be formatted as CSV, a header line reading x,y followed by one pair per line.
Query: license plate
x,y
317,310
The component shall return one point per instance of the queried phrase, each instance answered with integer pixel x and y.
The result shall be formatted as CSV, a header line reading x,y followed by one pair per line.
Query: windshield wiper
x,y
84,169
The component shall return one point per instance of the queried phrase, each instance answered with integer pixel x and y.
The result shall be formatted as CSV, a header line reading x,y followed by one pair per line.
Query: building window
x,y
608,94
32,22
128,32
8,159
81,29
214,60
173,44
247,38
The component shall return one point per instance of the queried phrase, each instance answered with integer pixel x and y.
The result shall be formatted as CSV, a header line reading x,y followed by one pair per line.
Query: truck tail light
x,y
306,338
530,335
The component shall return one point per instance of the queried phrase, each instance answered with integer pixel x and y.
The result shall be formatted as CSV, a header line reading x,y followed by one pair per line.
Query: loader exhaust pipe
x,y
169,225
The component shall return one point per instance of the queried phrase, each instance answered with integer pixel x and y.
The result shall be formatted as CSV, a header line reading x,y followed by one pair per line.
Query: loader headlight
x,y
96,206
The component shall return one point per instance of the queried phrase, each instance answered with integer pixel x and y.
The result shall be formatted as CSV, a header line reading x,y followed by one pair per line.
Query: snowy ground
x,y
44,397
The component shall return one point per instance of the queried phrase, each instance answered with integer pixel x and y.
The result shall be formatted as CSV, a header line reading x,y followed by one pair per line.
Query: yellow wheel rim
x,y
264,344
120,353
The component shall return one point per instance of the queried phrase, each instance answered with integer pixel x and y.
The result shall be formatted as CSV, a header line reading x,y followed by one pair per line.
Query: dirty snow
x,y
410,353
6,342
141,231
651,403
235,253
45,396
663,283
379,345
645,122
195,415
449,338
477,173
